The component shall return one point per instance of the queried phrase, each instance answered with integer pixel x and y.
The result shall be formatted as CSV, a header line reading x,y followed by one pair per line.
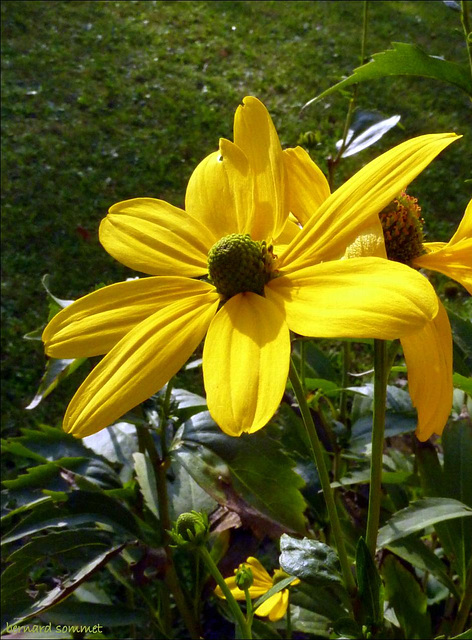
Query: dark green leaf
x,y
420,556
310,560
370,585
56,371
407,599
279,586
420,514
405,60
462,335
250,474
147,482
116,444
91,614
186,495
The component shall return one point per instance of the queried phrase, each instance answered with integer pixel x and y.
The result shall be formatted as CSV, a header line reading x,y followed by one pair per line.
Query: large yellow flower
x,y
274,607
428,350
214,273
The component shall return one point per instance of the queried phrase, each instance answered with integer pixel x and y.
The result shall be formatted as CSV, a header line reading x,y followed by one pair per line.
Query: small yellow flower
x,y
215,272
427,350
274,607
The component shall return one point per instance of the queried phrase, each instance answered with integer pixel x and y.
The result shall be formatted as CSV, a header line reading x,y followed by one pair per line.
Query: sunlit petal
x,y
220,192
255,134
428,355
275,607
306,186
357,298
245,363
140,364
156,238
93,324
356,204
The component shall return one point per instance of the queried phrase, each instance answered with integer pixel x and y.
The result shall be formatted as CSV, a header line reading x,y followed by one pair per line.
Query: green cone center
x,y
402,226
237,264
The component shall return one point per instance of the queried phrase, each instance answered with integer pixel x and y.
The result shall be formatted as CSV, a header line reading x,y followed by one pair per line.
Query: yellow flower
x,y
427,350
215,273
276,606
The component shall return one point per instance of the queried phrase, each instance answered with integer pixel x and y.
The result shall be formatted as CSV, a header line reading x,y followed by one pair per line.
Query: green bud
x,y
244,577
190,529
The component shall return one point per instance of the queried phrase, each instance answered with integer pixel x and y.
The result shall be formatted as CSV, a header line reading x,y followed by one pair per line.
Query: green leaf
x,y
91,614
116,444
56,371
186,495
420,556
457,475
370,585
407,599
315,609
467,635
405,60
463,383
462,336
310,560
420,514
250,474
67,587
147,482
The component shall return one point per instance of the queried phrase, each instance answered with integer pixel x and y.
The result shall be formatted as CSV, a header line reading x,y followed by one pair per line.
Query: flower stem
x,y
378,429
345,382
318,457
163,499
465,605
466,27
233,605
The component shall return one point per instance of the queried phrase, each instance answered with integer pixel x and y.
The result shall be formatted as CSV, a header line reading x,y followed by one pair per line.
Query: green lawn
x,y
104,101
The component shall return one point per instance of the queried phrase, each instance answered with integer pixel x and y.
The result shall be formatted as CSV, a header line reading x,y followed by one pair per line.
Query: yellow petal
x,y
428,355
290,230
154,237
454,259
275,607
261,577
356,204
140,364
92,325
245,363
255,134
220,192
357,298
306,186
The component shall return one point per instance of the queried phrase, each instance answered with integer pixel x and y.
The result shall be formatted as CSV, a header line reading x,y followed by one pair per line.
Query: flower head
x,y
394,231
274,607
234,268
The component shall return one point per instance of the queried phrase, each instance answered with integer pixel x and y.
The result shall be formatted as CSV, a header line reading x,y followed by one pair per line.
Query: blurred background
x,y
104,101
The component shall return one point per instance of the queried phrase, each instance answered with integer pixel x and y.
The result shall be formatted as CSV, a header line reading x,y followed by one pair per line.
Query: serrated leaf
x,y
250,474
147,482
463,383
310,560
420,514
370,585
56,371
405,59
407,599
186,495
69,584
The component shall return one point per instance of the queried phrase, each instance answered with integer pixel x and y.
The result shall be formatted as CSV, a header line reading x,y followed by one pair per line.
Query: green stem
x,y
345,382
163,418
466,27
318,457
378,428
233,605
171,578
465,605
249,611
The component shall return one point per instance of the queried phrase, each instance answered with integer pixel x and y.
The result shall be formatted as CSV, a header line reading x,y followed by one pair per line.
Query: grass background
x,y
104,101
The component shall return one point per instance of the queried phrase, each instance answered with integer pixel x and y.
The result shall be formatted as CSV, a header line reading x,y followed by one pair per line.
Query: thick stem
x,y
171,578
464,607
345,382
318,457
233,605
378,429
